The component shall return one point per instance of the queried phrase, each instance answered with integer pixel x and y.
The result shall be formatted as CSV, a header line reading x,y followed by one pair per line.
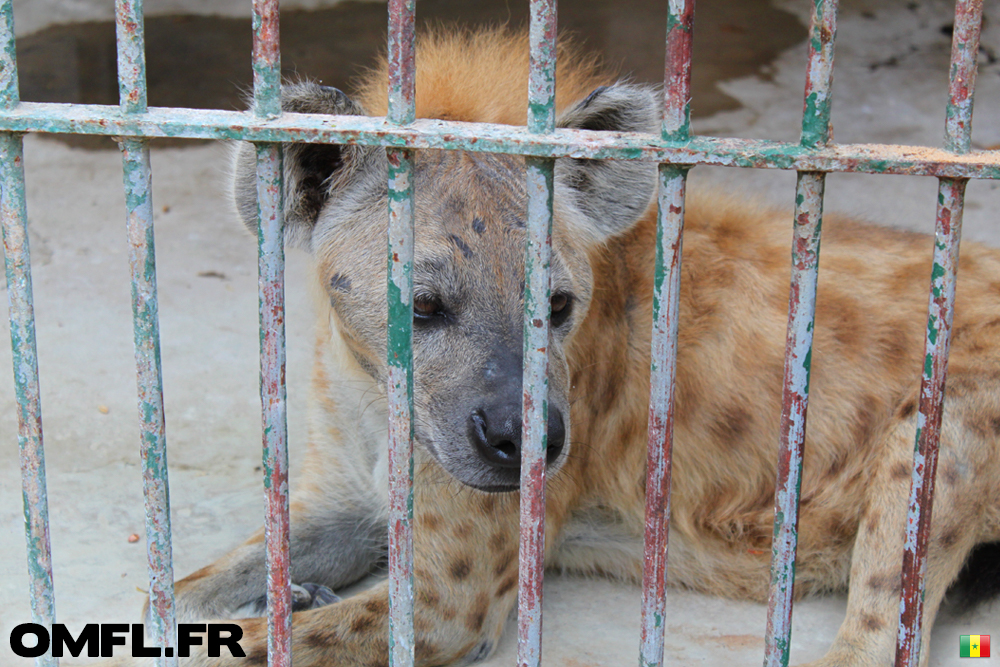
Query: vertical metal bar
x,y
948,233
17,263
271,299
137,178
663,357
399,292
535,383
795,401
816,132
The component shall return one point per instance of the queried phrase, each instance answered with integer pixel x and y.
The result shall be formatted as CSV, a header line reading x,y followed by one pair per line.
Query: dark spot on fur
x,y
498,541
902,470
506,585
907,409
449,613
478,225
463,529
461,245
378,606
504,563
949,474
872,623
340,282
886,583
460,569
430,521
363,624
322,639
474,621
733,424
514,221
949,538
489,503
995,423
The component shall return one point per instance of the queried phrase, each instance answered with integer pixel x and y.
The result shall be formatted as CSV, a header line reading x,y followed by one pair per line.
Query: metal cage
x,y
675,150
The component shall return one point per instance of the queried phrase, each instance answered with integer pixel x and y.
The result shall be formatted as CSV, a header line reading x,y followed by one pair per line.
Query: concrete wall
x,y
33,15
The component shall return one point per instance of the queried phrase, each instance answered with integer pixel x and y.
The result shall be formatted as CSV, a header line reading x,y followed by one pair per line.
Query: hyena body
x,y
470,209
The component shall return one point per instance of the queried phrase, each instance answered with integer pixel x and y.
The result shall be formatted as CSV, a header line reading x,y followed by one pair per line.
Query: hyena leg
x,y
334,542
465,586
966,512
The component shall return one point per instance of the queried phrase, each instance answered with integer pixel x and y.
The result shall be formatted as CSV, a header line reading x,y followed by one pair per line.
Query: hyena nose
x,y
496,435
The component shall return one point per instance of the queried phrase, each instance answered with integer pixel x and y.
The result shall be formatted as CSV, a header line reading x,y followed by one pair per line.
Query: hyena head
x,y
468,272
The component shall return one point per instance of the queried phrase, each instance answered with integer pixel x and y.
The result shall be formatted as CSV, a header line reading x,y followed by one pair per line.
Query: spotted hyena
x,y
467,317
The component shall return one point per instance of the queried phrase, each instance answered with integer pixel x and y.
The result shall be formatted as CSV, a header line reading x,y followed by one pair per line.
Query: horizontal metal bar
x,y
486,137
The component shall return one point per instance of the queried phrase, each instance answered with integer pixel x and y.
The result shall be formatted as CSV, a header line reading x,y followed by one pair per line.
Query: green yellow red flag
x,y
974,646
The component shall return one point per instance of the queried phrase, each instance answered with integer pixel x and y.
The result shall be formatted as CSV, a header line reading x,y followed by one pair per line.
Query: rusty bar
x,y
817,130
399,349
400,395
402,66
10,95
535,410
663,358
152,435
131,56
17,263
948,233
816,133
677,71
535,383
271,296
137,178
795,400
266,59
663,373
490,138
542,67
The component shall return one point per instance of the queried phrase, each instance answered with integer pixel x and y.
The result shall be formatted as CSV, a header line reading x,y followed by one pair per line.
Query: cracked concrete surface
x,y
891,82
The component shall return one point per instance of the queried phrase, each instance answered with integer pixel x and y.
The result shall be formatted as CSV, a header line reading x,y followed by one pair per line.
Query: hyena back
x,y
468,286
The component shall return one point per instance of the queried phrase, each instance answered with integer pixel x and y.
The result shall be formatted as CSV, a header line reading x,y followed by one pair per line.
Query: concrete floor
x,y
890,87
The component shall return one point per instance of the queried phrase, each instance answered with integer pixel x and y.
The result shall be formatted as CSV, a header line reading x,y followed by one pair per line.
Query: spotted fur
x,y
470,211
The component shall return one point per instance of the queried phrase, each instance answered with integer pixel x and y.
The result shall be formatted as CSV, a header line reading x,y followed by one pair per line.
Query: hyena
x,y
467,313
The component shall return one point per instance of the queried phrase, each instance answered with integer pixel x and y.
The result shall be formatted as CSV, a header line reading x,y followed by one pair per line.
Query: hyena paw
x,y
312,596
304,596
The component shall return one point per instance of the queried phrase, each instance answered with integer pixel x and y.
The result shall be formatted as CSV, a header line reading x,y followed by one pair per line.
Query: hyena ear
x,y
312,171
611,194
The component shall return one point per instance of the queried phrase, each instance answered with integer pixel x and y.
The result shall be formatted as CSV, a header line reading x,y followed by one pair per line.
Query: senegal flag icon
x,y
974,646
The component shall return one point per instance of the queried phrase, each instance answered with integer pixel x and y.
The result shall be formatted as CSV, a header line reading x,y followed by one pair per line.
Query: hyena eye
x,y
562,307
427,309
